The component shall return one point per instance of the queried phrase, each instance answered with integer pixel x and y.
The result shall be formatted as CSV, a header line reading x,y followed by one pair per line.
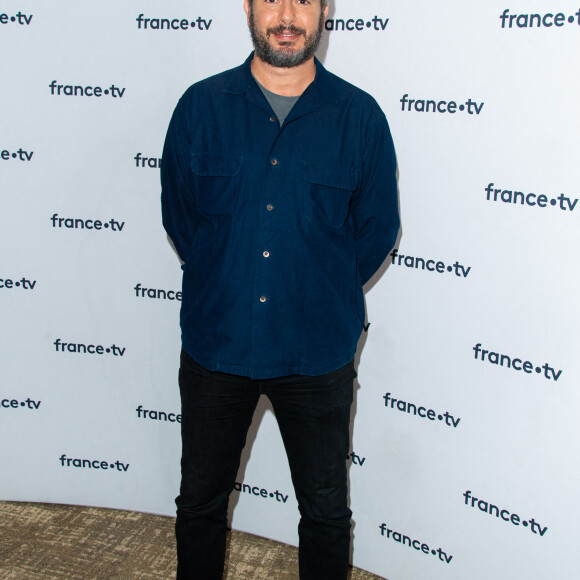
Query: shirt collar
x,y
323,88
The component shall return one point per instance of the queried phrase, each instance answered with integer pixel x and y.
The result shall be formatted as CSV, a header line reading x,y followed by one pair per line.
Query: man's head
x,y
286,33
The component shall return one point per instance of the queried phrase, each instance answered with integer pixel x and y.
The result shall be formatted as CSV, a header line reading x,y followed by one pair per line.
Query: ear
x,y
247,10
326,12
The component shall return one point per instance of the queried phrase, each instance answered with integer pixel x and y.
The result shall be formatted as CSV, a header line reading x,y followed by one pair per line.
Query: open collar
x,y
322,89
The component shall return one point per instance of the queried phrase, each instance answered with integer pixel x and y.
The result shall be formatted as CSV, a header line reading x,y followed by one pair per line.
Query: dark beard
x,y
285,58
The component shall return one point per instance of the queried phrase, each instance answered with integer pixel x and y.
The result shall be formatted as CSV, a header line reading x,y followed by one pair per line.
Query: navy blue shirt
x,y
278,227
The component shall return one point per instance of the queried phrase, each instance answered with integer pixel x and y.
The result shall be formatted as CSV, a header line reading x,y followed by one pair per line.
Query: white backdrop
x,y
442,414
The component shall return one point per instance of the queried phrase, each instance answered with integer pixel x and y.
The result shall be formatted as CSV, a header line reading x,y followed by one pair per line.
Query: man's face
x,y
285,33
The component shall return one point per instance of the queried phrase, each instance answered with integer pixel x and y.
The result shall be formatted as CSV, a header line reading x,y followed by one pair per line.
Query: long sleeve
x,y
374,207
178,203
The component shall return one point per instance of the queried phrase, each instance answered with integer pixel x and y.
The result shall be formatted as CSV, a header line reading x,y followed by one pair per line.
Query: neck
x,y
288,82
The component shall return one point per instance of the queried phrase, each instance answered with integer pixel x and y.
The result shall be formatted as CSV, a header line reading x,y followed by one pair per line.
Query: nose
x,y
287,12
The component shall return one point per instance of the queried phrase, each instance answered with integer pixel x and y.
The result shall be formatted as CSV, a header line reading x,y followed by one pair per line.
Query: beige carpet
x,y
53,542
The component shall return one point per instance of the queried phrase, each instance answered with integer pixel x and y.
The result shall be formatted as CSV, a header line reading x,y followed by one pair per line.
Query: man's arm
x,y
375,205
178,204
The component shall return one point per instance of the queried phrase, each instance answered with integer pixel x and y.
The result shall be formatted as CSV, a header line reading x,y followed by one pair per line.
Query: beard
x,y
285,57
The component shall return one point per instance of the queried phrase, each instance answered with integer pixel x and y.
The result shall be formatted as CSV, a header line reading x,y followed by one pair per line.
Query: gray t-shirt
x,y
280,104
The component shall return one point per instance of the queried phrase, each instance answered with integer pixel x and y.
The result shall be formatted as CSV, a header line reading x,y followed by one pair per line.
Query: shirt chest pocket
x,y
216,178
327,193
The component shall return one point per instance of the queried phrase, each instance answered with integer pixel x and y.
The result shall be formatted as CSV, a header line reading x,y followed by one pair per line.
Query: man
x,y
279,194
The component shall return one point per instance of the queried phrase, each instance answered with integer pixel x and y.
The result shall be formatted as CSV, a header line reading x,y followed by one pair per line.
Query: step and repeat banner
x,y
465,446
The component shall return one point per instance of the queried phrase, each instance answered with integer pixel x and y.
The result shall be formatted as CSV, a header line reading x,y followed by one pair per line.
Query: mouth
x,y
286,35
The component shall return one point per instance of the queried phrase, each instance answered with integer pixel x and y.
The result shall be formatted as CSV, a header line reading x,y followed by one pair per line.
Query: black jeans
x,y
313,414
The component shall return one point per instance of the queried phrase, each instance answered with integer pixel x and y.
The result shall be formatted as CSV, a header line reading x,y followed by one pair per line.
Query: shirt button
x,y
273,119
274,162
266,254
263,299
269,207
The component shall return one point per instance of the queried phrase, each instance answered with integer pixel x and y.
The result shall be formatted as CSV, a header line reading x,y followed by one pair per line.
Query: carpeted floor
x,y
53,542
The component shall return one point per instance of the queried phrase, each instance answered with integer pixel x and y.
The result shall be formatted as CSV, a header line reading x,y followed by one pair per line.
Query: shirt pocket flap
x,y
215,164
337,178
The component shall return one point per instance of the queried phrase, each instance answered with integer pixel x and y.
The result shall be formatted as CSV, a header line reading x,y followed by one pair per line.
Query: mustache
x,y
286,30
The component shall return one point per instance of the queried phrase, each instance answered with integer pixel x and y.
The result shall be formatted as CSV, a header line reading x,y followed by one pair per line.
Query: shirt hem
x,y
270,373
